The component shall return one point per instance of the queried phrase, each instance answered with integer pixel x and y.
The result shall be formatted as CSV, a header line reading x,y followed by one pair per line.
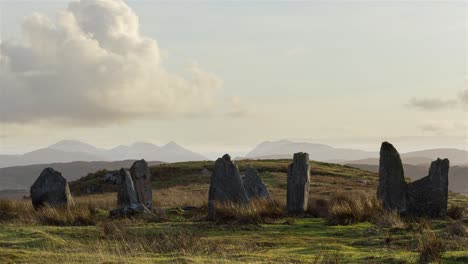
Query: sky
x,y
223,76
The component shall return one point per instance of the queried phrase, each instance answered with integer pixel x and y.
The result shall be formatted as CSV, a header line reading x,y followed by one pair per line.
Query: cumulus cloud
x,y
91,65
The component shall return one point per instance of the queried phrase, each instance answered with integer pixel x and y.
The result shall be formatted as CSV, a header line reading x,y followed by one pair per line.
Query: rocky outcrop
x,y
428,196
298,183
141,177
226,185
425,197
50,189
254,186
392,186
127,201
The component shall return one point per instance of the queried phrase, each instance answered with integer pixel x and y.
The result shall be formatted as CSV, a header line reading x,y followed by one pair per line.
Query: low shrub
x,y
456,230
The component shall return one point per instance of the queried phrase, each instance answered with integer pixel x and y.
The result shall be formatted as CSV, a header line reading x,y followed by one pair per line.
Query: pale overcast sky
x,y
222,76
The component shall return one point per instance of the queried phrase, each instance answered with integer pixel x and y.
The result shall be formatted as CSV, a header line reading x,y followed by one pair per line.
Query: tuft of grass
x,y
388,219
430,247
255,212
317,207
456,230
352,207
456,212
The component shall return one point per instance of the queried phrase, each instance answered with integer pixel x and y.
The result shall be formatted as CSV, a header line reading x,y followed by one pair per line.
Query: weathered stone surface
x,y
126,196
50,188
127,200
141,177
226,185
428,196
392,186
254,186
298,183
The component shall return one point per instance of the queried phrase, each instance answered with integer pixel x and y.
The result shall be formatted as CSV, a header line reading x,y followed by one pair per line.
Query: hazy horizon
x,y
221,77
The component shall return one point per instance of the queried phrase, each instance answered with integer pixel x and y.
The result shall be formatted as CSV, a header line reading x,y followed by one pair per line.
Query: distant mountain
x,y
319,152
458,175
75,146
456,156
46,155
285,149
375,161
22,177
72,150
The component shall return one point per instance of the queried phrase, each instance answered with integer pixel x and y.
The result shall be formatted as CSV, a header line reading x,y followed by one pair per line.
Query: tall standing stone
x,y
226,185
50,188
428,196
141,177
254,186
126,195
298,183
392,186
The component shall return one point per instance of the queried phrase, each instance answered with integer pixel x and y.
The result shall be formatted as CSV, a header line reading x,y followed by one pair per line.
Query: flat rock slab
x,y
298,183
254,186
141,177
226,185
51,189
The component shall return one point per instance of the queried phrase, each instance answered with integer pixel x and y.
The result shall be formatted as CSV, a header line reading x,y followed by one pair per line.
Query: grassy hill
x,y
342,225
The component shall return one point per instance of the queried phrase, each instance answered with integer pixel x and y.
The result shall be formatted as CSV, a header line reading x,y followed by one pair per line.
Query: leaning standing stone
x,y
392,186
50,188
226,185
298,183
141,177
254,185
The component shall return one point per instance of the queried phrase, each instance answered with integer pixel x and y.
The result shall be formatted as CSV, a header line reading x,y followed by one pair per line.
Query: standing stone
x,y
392,186
428,196
298,183
254,186
50,188
141,177
127,201
226,185
126,195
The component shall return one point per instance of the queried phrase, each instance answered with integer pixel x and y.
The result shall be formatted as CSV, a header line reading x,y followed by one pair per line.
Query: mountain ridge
x,y
73,150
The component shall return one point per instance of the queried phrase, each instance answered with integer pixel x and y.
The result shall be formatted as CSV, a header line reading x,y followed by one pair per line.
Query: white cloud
x,y
92,66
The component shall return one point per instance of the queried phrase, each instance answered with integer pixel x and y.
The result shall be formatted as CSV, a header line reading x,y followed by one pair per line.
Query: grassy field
x,y
344,224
